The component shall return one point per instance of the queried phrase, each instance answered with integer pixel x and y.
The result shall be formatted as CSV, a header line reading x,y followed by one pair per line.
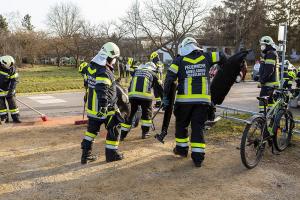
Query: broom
x,y
43,116
83,121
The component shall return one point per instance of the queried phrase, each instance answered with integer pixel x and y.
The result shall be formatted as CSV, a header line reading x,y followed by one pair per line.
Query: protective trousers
x,y
266,91
146,106
12,107
196,115
112,137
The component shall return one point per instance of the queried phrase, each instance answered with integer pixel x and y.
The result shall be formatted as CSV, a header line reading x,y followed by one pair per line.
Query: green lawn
x,y
48,78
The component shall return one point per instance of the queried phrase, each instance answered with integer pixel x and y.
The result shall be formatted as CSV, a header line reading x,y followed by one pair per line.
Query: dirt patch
x,y
42,162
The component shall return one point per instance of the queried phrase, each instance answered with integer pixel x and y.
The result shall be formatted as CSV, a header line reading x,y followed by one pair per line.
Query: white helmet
x,y
7,61
267,40
188,45
110,50
149,65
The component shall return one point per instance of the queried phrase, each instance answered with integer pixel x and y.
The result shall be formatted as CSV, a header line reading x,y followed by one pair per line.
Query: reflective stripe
x,y
3,112
158,99
270,61
145,87
3,93
92,135
88,138
93,114
140,95
198,150
3,73
114,143
103,80
198,145
182,144
111,147
194,61
204,85
147,123
215,57
271,84
182,140
92,71
14,111
190,80
193,98
125,127
173,68
16,75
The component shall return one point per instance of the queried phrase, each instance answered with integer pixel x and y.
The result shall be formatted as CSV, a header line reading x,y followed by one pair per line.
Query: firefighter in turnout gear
x,y
101,104
288,75
83,71
8,82
143,80
193,100
268,71
154,58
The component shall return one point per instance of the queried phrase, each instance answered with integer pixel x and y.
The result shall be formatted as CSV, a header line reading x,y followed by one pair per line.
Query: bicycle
x,y
274,127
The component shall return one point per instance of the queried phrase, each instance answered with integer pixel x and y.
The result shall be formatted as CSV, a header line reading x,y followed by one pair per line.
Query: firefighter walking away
x,y
193,100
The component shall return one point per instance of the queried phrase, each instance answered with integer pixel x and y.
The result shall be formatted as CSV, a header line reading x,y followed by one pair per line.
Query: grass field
x,y
48,78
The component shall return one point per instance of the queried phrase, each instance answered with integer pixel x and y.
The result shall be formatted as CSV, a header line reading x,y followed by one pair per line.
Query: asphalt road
x,y
242,95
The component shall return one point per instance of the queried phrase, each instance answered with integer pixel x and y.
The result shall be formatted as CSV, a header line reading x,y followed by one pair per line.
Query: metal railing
x,y
230,113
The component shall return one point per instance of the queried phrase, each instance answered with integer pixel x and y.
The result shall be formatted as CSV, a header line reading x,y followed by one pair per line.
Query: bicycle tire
x,y
287,130
257,143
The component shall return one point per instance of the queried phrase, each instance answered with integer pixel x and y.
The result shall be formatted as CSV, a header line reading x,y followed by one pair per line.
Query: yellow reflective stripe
x,y
157,99
82,66
140,93
16,75
270,61
215,57
271,84
145,85
3,73
114,143
111,112
94,101
193,96
189,86
92,71
103,80
198,145
125,125
204,85
3,92
182,140
194,61
144,121
174,68
14,110
134,84
92,135
3,111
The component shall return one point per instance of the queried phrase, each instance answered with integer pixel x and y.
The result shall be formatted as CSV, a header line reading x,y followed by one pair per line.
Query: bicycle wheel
x,y
283,129
252,145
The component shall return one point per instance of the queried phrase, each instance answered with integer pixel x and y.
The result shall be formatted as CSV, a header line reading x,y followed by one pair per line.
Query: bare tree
x,y
167,22
64,19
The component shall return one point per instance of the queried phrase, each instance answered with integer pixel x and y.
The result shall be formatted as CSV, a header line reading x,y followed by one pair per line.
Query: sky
x,y
96,11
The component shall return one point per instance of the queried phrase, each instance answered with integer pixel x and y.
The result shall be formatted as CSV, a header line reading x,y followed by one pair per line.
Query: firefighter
x,y
8,82
143,80
101,104
193,100
154,58
268,71
288,75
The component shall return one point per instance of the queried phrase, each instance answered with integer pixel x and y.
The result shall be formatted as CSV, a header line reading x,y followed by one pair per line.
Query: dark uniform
x,y
159,72
8,82
143,80
297,79
193,99
102,94
268,75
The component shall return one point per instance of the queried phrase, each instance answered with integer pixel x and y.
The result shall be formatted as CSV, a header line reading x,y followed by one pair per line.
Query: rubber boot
x,y
197,158
87,155
181,151
145,132
113,155
16,118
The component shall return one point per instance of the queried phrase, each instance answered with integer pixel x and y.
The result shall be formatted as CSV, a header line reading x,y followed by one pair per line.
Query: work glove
x,y
102,112
165,103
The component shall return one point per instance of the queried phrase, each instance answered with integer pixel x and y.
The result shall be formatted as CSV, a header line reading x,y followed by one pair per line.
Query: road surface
x,y
241,96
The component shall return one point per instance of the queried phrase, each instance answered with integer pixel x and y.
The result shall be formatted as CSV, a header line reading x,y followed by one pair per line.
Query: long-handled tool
x,y
43,116
83,121
153,126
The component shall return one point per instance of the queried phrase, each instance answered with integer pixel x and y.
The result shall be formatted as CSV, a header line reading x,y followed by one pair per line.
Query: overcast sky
x,y
95,11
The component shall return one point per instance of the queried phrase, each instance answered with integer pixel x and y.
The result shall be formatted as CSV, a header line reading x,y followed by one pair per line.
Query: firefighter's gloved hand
x,y
165,103
102,112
